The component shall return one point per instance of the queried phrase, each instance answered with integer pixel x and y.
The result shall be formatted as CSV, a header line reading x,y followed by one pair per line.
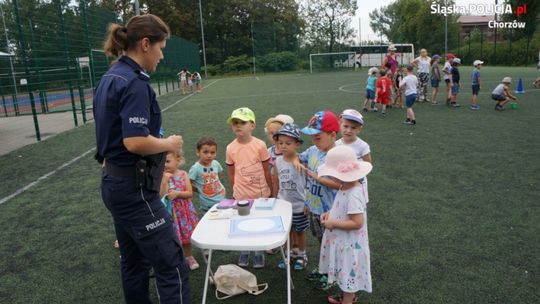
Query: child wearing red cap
x,y
384,87
323,128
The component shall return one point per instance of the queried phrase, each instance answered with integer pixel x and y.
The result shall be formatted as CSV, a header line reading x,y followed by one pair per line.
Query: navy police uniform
x,y
125,106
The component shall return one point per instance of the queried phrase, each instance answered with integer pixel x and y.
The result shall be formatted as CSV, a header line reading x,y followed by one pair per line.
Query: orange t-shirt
x,y
249,179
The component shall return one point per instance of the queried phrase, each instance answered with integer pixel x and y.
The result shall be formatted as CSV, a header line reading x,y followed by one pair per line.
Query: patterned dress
x,y
345,253
183,212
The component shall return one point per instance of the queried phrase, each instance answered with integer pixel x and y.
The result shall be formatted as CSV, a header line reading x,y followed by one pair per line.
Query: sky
x,y
366,6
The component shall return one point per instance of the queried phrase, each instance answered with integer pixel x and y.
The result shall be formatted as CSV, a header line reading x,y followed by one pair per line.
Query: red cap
x,y
323,121
450,56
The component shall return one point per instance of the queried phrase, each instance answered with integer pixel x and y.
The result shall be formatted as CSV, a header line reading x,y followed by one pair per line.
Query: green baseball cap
x,y
243,114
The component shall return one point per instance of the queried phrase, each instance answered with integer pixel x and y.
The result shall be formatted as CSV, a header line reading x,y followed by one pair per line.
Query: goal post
x,y
336,59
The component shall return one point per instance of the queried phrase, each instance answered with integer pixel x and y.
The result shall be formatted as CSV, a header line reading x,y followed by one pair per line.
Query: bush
x,y
213,69
236,64
278,62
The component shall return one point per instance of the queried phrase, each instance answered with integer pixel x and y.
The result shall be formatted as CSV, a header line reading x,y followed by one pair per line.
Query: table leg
x,y
288,262
208,266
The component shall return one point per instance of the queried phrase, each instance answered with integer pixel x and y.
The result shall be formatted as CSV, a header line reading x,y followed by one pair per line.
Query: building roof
x,y
471,20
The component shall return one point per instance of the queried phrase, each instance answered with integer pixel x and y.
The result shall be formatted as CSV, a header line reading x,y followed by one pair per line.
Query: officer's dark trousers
x,y
147,239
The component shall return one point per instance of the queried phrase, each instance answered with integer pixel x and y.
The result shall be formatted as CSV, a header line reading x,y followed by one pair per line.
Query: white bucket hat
x,y
342,164
477,62
507,80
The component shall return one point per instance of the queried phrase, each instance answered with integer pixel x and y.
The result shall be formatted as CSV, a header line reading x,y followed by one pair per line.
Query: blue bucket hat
x,y
291,130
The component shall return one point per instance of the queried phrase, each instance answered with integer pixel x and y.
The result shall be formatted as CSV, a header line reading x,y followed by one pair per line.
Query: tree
x,y
411,21
328,22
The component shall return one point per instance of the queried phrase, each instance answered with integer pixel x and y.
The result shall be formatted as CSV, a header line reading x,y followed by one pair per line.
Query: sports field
x,y
454,215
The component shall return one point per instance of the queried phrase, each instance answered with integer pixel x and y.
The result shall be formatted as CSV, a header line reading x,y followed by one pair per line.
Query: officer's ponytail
x,y
122,38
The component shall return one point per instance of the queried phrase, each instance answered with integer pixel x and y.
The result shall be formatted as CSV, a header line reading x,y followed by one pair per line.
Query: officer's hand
x,y
175,142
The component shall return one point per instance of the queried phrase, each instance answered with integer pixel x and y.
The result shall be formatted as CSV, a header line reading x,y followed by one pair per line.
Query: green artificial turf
x,y
454,213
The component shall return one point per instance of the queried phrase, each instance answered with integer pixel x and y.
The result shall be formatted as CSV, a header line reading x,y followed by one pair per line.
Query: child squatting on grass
x,y
501,94
247,167
176,187
291,185
345,256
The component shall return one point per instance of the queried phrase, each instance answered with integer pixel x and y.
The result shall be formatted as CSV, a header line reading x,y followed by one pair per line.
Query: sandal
x,y
300,263
338,298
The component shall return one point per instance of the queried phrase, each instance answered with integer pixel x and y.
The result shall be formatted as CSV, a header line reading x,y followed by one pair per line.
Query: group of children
x,y
382,83
189,82
326,185
404,83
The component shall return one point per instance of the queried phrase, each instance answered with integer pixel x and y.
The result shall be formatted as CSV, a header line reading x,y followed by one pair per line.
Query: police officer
x,y
128,120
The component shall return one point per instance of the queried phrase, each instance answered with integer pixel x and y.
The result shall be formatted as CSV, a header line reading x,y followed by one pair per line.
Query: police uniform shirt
x,y
124,106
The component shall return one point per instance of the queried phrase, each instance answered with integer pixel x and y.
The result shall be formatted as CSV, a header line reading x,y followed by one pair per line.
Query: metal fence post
x,y
66,61
22,45
35,61
82,5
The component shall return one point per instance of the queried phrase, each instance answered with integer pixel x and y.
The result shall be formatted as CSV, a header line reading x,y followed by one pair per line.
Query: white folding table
x,y
213,234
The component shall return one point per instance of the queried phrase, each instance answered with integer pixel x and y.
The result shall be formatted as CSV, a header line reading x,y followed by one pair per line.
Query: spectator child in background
x,y
370,89
291,186
322,128
345,255
455,78
384,88
447,70
190,82
176,187
206,173
398,96
247,167
183,74
435,78
422,64
197,82
351,124
501,94
409,84
475,81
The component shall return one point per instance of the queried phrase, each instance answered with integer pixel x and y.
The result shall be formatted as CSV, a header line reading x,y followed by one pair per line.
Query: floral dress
x,y
183,212
345,253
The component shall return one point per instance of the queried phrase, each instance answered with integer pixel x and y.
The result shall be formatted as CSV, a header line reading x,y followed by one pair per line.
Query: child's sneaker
x,y
498,107
455,105
365,109
243,259
323,284
383,112
475,107
314,275
258,260
300,263
192,263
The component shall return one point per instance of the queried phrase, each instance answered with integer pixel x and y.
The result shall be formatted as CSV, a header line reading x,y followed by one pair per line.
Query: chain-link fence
x,y
51,57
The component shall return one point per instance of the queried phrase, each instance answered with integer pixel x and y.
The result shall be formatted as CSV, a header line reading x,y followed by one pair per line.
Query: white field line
x,y
62,166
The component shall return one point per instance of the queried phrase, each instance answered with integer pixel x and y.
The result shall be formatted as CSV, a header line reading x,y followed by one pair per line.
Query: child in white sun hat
x,y
351,123
344,253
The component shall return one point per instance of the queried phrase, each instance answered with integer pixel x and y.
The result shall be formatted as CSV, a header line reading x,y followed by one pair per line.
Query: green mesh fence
x,y
51,56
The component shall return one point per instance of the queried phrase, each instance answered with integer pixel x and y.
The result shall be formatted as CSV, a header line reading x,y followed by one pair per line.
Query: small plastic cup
x,y
243,208
513,105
